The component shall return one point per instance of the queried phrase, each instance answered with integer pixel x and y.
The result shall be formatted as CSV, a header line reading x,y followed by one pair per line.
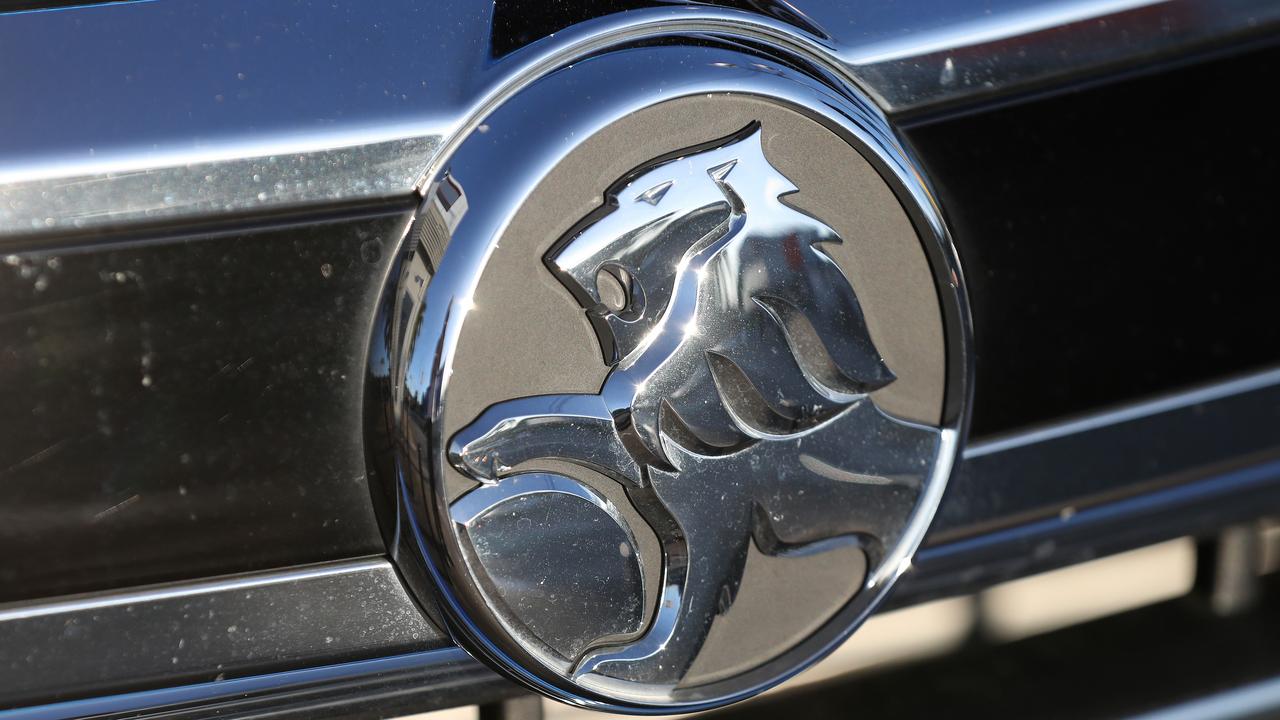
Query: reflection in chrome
x,y
978,28
737,398
485,498
136,187
558,555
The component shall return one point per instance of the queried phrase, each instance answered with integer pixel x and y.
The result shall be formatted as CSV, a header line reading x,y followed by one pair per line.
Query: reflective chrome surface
x,y
178,185
559,556
735,413
252,106
735,422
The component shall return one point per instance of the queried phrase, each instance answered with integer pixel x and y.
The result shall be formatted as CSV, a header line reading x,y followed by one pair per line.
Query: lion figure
x,y
737,397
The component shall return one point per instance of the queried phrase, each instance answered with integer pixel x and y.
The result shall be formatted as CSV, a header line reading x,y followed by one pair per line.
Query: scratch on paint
x,y
117,507
36,457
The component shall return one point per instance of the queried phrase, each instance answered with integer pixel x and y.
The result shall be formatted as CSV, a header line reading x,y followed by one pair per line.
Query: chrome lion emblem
x,y
735,414
674,369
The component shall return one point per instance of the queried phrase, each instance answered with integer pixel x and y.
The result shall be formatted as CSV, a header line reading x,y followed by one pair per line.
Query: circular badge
x,y
675,371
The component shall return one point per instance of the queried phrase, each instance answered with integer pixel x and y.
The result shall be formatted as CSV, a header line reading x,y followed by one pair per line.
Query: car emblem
x,y
669,404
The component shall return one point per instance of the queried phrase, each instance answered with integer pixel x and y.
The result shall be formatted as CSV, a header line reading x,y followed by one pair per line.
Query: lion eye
x,y
653,195
612,289
619,292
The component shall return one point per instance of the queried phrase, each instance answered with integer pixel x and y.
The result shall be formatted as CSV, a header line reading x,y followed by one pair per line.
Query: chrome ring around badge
x,y
675,369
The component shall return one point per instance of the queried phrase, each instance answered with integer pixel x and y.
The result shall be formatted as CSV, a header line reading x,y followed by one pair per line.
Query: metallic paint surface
x,y
199,108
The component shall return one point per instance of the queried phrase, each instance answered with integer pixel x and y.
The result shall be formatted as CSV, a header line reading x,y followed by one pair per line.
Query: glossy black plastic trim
x,y
200,386
1118,239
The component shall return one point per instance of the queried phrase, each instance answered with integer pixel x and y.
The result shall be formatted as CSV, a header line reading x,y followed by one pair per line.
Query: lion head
x,y
725,320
